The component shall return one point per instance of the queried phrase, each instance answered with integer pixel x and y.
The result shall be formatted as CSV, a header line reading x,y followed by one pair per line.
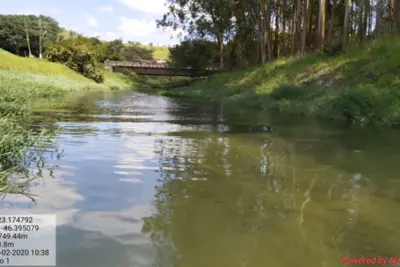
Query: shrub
x,y
333,48
21,148
288,92
78,57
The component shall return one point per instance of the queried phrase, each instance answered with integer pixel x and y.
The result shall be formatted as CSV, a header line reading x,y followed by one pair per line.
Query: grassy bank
x,y
47,78
361,85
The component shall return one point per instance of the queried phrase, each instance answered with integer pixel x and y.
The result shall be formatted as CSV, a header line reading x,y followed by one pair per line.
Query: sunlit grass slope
x,y
49,78
362,85
161,52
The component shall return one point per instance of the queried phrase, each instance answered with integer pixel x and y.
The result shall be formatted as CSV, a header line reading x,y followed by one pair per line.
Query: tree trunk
x,y
367,10
332,20
370,18
361,30
276,41
321,24
221,51
27,38
379,18
346,22
241,35
261,31
284,26
298,27
397,16
310,29
268,32
392,7
292,31
305,21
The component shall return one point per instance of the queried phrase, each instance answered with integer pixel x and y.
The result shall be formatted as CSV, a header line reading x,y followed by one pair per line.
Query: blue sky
x,y
132,20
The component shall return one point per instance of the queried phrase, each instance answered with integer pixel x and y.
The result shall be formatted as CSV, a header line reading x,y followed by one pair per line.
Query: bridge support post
x,y
109,68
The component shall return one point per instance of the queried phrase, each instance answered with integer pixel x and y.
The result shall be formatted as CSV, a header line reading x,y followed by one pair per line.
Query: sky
x,y
131,20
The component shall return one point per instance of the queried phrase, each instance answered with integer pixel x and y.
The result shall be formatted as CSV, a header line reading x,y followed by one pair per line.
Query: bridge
x,y
156,68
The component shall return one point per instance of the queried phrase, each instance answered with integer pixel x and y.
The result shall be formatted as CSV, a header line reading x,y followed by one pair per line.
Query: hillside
x,y
160,52
362,85
47,77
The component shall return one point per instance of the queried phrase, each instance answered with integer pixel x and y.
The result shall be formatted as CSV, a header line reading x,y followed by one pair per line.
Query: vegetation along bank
x,y
360,86
38,58
336,59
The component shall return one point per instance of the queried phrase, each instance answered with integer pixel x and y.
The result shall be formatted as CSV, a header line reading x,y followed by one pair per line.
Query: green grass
x,y
160,52
362,85
50,78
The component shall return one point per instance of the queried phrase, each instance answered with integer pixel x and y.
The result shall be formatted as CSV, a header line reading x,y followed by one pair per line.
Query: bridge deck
x,y
149,64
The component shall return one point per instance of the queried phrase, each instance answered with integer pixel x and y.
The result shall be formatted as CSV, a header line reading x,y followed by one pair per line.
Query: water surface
x,y
149,181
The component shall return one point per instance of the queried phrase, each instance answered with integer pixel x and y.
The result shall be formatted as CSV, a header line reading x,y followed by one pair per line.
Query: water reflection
x,y
147,181
282,199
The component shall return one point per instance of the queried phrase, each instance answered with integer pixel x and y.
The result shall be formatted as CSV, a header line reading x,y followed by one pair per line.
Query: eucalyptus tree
x,y
201,18
248,32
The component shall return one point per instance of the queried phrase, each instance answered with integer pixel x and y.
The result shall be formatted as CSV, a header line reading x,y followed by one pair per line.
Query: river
x,y
144,180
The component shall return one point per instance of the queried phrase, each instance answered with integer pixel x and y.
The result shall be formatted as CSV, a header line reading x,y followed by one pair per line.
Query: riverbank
x,y
47,78
361,85
21,80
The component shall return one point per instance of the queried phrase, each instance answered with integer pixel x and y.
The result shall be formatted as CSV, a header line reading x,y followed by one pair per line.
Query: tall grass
x,y
362,85
20,146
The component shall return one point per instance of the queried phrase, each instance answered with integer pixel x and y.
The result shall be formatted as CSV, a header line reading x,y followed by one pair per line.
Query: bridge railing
x,y
148,64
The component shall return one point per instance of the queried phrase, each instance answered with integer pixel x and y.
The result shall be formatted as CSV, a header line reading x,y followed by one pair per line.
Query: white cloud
x,y
106,8
91,20
148,6
131,28
111,36
96,34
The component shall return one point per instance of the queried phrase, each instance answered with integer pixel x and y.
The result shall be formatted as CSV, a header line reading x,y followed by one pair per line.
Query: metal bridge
x,y
156,68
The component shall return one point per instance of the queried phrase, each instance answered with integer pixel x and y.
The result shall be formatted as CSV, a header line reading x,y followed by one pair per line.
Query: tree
x,y
321,24
78,56
27,38
133,52
16,31
306,15
397,16
380,27
346,22
195,53
248,32
202,18
114,50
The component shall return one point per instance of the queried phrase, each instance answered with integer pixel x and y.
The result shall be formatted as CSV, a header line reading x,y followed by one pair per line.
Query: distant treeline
x,y
36,36
249,32
22,34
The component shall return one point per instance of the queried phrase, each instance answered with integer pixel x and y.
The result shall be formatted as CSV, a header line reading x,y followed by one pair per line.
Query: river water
x,y
144,180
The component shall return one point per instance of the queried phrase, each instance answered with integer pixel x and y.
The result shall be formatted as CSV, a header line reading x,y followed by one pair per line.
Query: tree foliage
x,y
249,32
13,33
134,51
113,50
77,56
20,34
195,53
